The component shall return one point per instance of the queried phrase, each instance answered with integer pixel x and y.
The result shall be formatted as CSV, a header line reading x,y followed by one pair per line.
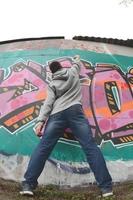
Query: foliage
x,y
126,2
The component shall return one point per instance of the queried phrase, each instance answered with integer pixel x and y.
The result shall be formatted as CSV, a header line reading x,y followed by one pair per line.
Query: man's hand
x,y
76,58
38,129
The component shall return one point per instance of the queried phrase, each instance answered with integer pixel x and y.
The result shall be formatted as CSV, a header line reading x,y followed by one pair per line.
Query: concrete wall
x,y
107,90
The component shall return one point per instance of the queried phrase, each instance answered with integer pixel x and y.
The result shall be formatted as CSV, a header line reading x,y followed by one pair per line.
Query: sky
x,y
68,18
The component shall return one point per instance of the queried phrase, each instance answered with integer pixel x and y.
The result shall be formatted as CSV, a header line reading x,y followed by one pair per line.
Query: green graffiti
x,y
24,141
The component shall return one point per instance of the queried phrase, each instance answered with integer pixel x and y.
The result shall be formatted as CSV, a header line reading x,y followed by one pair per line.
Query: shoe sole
x,y
107,194
26,193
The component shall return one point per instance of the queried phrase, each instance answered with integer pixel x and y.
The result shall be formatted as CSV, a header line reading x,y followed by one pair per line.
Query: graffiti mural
x,y
21,94
107,98
113,112
107,91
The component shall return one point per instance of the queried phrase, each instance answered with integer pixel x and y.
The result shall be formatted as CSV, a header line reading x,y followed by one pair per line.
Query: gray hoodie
x,y
64,90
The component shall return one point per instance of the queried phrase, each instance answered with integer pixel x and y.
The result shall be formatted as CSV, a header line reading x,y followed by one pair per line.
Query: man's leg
x,y
81,130
54,130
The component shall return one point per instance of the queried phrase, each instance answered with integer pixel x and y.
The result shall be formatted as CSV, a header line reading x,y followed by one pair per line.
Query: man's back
x,y
67,89
64,91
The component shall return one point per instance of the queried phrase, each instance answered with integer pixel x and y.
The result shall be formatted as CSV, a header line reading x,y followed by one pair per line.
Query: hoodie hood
x,y
61,81
61,74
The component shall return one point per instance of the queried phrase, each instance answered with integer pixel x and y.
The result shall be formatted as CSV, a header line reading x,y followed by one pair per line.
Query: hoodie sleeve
x,y
47,106
76,66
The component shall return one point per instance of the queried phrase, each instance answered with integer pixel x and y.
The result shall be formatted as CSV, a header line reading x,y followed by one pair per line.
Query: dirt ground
x,y
9,190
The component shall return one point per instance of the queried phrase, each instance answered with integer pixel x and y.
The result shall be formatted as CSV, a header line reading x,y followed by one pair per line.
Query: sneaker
x,y
107,193
26,189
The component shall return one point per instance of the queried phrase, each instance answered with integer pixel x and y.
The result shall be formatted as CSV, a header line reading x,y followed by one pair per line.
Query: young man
x,y
63,109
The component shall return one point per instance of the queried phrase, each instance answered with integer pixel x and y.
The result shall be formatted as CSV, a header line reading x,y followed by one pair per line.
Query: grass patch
x,y
9,190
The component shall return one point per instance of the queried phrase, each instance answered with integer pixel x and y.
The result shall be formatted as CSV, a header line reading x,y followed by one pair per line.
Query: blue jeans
x,y
74,118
